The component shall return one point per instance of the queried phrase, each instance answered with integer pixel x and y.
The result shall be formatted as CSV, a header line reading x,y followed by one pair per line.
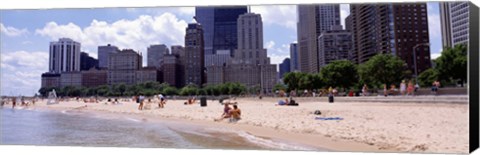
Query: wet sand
x,y
371,127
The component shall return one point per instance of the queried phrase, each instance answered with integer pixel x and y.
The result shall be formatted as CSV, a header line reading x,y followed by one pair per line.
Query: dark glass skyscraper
x,y
220,27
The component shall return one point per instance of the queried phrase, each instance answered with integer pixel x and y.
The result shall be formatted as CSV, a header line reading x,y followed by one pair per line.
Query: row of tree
x,y
450,68
149,89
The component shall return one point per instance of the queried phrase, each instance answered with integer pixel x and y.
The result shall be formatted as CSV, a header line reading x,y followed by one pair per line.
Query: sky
x,y
25,35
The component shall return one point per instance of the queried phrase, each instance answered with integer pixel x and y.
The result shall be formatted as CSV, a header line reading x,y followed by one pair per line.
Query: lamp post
x,y
415,59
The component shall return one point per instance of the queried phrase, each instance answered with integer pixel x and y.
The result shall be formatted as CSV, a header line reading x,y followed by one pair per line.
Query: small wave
x,y
132,119
262,141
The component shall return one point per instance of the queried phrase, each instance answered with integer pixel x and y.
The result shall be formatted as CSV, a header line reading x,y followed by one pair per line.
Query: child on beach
x,y
235,114
403,87
410,88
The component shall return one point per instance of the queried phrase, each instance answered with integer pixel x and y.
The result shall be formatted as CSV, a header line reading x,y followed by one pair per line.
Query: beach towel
x,y
328,118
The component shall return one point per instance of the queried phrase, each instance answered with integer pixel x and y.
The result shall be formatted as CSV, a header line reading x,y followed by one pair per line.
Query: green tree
x,y
452,64
380,69
426,78
341,73
279,87
292,80
170,91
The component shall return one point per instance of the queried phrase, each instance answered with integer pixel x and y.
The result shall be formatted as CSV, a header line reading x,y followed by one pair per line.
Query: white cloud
x,y
435,55
277,54
344,12
24,59
12,31
21,72
283,15
135,34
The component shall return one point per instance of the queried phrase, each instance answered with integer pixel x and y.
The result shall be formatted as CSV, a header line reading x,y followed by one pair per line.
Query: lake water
x,y
77,128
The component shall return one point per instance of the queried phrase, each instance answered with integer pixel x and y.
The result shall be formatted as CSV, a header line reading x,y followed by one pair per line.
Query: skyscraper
x,y
206,17
178,51
103,54
391,28
284,67
122,67
294,66
64,56
334,45
312,21
220,27
194,55
155,55
250,65
454,23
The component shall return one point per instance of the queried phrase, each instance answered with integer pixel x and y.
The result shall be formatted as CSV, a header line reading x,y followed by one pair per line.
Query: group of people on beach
x,y
140,100
13,100
228,113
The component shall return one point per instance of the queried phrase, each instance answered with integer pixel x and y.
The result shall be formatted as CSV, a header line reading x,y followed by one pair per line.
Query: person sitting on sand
x,y
226,113
235,114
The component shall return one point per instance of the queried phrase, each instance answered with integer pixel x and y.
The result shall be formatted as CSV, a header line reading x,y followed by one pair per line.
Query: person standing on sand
x,y
364,90
162,101
403,87
235,114
435,86
14,102
410,88
385,90
140,99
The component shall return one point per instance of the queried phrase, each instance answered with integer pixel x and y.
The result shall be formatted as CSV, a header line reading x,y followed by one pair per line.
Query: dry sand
x,y
377,127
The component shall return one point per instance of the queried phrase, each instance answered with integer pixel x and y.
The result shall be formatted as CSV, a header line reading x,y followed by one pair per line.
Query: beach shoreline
x,y
362,129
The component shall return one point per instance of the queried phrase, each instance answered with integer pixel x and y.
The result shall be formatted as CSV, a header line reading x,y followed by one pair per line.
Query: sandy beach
x,y
372,127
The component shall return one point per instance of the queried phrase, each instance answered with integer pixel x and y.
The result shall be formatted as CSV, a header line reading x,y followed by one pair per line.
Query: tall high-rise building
x,y
445,24
250,65
194,55
294,66
178,51
220,27
87,62
155,55
454,17
103,54
391,28
335,44
172,70
284,67
122,67
64,56
206,17
312,21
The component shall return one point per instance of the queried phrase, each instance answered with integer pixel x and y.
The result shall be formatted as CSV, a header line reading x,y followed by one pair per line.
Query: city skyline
x,y
125,27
